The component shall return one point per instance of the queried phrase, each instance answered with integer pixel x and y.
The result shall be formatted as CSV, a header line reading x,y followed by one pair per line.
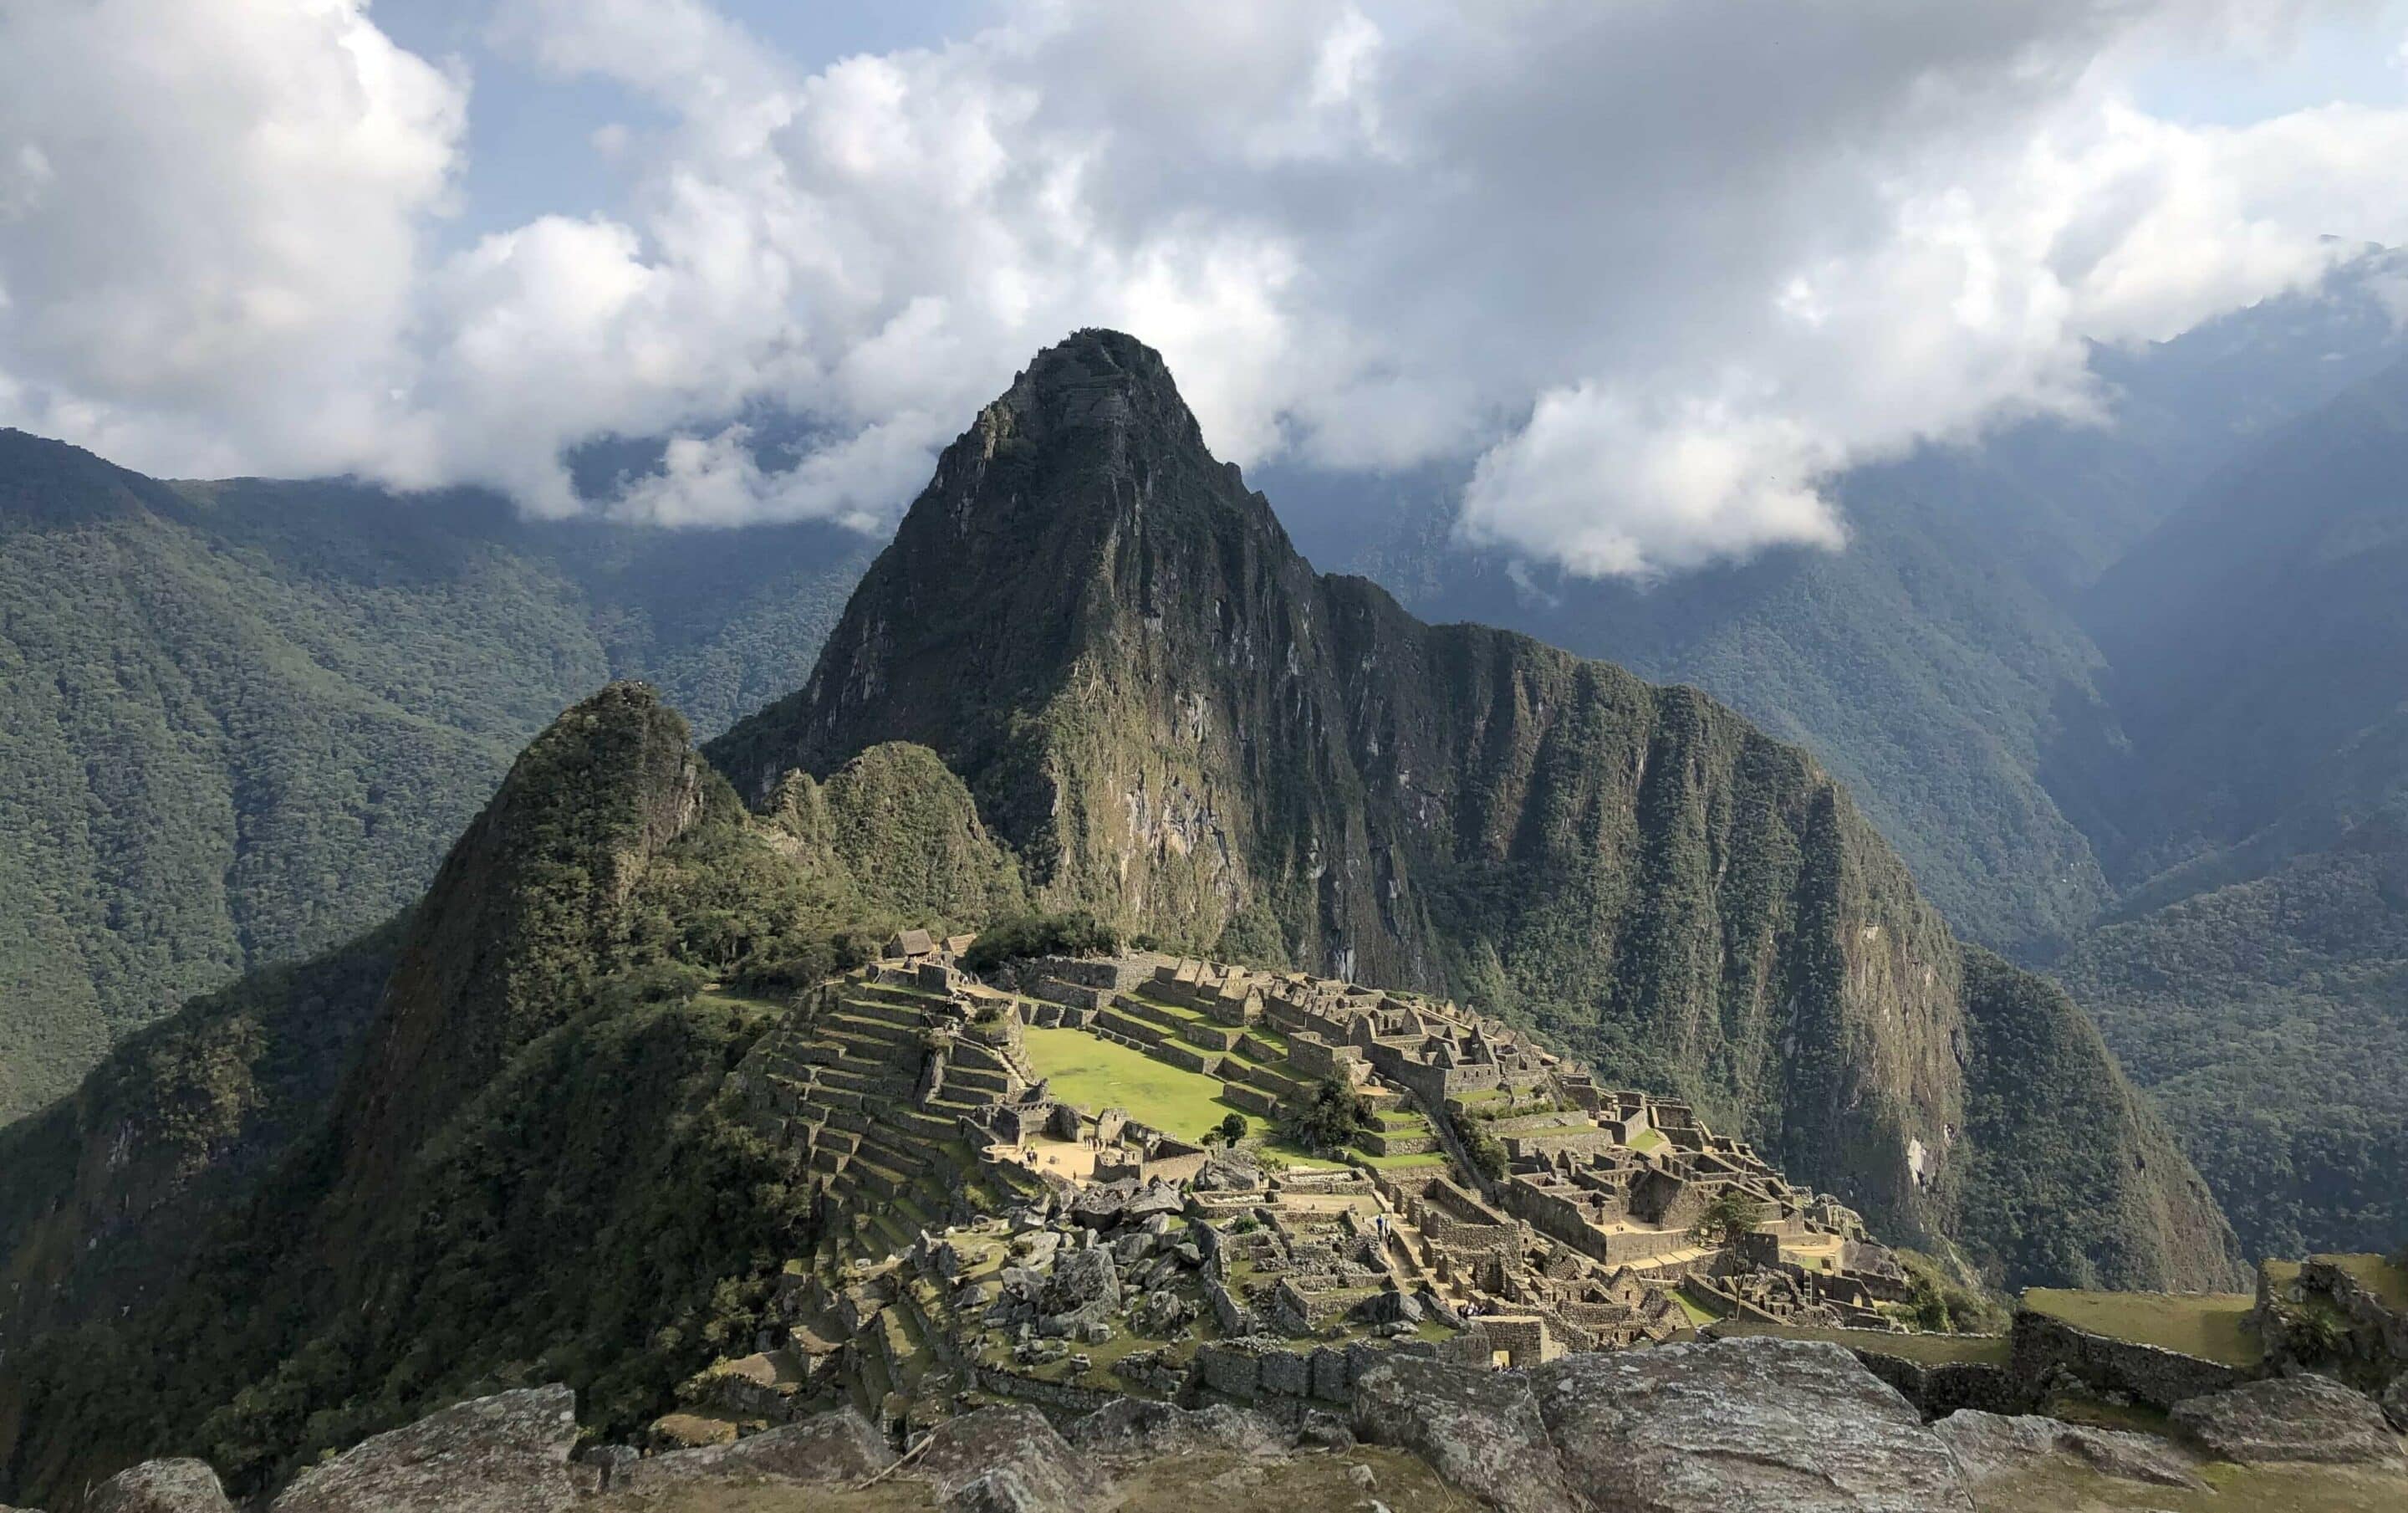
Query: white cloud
x,y
209,216
1662,269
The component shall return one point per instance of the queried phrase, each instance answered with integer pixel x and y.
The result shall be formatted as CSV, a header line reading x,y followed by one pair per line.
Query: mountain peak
x,y
1098,405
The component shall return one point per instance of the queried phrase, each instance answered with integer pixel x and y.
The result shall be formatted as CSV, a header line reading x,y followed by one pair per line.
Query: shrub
x,y
1233,1127
1328,1116
1481,1146
1942,1305
1022,936
1732,1216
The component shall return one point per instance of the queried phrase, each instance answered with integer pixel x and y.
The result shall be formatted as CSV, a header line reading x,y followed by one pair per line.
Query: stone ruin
x,y
1129,1259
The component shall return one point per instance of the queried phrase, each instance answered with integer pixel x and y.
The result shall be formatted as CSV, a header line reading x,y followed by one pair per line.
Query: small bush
x,y
1943,1306
1485,1150
1233,1127
1730,1218
1017,939
1328,1116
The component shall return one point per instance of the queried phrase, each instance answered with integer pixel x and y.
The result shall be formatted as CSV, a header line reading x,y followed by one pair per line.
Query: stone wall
x,y
1940,1390
2042,1346
1313,1056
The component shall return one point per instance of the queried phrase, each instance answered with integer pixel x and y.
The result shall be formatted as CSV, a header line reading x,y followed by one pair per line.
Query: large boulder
x,y
830,1449
2291,1419
1130,1430
160,1486
1007,1460
502,1454
1746,1426
1479,1428
1085,1287
1988,1446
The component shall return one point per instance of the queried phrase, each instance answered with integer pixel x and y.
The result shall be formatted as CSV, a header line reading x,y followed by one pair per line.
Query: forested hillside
x,y
2257,974
244,719
490,1139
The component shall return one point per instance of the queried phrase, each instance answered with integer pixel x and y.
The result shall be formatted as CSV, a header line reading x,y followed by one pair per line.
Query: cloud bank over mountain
x,y
1661,268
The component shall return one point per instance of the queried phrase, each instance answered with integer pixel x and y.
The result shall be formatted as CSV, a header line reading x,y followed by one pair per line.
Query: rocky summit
x,y
1739,1426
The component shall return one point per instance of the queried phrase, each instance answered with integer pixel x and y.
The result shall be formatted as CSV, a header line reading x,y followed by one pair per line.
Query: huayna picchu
x,y
1132,967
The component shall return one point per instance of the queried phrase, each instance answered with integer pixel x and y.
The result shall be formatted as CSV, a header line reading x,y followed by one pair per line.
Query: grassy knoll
x,y
2211,1325
1095,1074
2383,1279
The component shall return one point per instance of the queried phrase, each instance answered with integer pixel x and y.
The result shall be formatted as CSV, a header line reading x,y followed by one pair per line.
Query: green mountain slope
x,y
490,1142
2256,974
246,718
1180,725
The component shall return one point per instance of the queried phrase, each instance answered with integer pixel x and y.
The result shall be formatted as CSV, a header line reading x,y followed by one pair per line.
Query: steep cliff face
x,y
1183,728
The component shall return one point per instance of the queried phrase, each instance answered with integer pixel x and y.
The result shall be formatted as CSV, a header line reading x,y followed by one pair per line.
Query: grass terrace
x,y
2213,1326
1097,1074
2387,1282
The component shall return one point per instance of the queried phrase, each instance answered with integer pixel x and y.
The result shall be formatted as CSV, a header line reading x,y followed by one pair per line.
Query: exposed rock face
x,y
160,1486
1989,1446
1181,725
502,1454
1479,1430
2394,1402
1007,1461
2292,1419
1742,1424
830,1448
1135,1429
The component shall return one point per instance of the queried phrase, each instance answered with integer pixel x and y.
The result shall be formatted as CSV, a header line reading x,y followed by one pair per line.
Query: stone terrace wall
x,y
2041,1346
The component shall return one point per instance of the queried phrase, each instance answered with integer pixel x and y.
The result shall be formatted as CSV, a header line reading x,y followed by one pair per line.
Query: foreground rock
x,y
2292,1419
1479,1430
502,1454
1989,1447
1133,1431
1742,1425
829,1449
160,1486
1007,1461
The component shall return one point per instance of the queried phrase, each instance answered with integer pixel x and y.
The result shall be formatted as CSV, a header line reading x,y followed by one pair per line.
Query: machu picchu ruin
x,y
1075,1178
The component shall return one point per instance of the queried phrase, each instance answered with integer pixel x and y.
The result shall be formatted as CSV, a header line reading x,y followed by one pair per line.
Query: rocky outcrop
x,y
1006,1461
1990,1446
1748,1423
502,1454
830,1449
1479,1430
178,1486
1133,1430
2292,1419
